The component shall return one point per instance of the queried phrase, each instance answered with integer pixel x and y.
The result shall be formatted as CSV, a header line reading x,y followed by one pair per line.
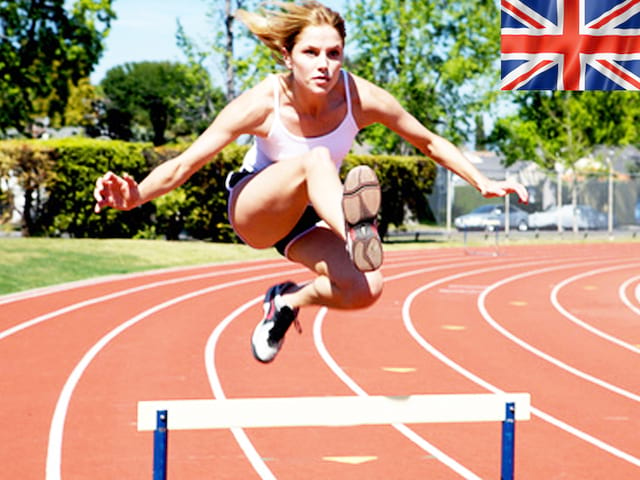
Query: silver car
x,y
492,217
587,218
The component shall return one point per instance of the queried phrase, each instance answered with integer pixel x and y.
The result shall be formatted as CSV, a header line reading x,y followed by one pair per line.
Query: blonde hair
x,y
279,29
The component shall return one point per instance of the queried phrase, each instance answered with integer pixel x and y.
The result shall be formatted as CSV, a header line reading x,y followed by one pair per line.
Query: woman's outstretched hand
x,y
117,192
505,187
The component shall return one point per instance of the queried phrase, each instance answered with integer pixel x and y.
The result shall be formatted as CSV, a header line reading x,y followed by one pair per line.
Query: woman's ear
x,y
286,58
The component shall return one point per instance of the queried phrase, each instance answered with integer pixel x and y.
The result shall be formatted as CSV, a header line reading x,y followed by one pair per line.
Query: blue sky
x,y
145,30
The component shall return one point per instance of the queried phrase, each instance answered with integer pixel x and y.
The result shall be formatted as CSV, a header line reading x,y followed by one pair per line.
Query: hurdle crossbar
x,y
332,411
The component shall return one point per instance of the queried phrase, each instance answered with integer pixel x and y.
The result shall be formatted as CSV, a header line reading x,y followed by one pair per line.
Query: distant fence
x,y
600,191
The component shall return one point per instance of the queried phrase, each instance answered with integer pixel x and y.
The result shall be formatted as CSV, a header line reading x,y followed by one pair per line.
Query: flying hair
x,y
278,28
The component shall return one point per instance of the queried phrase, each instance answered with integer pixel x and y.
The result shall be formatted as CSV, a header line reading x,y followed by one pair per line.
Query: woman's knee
x,y
364,291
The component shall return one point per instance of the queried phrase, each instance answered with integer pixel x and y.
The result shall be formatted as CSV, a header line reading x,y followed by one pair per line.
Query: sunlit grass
x,y
27,263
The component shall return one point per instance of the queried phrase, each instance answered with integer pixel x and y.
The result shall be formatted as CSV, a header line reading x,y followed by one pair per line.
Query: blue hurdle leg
x,y
160,446
508,442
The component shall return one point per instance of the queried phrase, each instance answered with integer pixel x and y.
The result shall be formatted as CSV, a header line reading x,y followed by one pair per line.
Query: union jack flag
x,y
570,44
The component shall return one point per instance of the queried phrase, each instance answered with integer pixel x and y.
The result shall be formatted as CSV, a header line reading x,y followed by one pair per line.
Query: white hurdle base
x,y
163,415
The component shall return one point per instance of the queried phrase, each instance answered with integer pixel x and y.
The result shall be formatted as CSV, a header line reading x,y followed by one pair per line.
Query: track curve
x,y
561,322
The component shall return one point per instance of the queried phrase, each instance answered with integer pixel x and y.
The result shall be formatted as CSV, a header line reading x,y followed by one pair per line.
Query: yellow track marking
x,y
519,303
354,460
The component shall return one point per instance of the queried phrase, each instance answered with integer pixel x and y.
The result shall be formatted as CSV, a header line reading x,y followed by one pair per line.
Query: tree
x,y
83,106
562,127
155,95
46,46
436,57
238,69
558,129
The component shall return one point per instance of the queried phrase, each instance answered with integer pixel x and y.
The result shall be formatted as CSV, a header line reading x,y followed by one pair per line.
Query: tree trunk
x,y
27,220
228,57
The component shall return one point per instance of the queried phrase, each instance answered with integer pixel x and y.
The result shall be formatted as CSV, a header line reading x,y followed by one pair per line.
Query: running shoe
x,y
361,203
268,335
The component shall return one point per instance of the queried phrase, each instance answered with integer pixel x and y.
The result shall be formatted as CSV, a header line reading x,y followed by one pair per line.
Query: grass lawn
x,y
27,263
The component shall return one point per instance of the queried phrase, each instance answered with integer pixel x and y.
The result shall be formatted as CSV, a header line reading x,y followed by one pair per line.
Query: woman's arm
x,y
246,114
376,105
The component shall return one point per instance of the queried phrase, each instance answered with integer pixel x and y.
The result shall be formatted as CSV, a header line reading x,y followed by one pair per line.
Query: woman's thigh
x,y
265,207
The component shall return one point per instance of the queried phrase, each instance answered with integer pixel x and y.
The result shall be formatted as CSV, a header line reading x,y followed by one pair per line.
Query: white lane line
x,y
622,293
56,432
581,323
111,296
358,390
406,315
216,386
537,352
403,429
70,308
407,432
239,434
57,426
241,438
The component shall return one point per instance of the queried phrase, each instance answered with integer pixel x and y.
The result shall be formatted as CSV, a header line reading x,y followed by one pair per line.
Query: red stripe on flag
x,y
616,12
520,14
621,73
527,75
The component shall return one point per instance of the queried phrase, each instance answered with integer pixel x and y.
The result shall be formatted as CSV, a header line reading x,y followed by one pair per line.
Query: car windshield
x,y
484,209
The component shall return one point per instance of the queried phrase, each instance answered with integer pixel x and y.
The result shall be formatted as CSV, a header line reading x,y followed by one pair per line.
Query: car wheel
x,y
522,226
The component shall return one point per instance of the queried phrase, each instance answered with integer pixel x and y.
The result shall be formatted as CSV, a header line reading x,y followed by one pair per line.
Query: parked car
x,y
588,218
637,212
492,217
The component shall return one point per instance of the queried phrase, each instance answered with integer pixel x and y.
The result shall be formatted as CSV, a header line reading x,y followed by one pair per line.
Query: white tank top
x,y
281,144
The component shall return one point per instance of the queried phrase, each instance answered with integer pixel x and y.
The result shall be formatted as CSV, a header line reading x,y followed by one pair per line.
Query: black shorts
x,y
308,220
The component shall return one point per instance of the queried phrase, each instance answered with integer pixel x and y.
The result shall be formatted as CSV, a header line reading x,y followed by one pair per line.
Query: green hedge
x,y
405,184
58,177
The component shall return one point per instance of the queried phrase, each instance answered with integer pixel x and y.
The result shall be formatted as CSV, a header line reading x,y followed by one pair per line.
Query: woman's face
x,y
316,58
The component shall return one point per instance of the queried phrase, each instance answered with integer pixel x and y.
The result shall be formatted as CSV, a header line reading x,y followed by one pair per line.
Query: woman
x,y
288,193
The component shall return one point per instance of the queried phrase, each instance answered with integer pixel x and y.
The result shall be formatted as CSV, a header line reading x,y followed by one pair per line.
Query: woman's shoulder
x,y
367,88
372,103
255,105
260,93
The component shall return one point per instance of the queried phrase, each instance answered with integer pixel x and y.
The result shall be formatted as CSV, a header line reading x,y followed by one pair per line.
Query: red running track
x,y
560,322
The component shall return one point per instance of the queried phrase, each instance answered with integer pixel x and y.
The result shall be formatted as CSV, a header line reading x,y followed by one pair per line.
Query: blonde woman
x,y
287,193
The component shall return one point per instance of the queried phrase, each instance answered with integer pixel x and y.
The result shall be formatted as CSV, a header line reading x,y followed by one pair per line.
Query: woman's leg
x,y
265,207
339,283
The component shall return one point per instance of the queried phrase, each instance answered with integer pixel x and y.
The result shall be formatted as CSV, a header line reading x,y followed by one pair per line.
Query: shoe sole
x,y
361,196
361,203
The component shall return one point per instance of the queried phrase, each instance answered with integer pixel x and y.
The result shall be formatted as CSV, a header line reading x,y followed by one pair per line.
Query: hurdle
x,y
494,248
332,411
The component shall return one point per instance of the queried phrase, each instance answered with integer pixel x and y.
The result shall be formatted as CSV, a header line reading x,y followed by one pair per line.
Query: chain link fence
x,y
601,197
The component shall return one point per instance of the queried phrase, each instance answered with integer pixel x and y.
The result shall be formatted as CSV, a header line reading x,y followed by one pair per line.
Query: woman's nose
x,y
323,61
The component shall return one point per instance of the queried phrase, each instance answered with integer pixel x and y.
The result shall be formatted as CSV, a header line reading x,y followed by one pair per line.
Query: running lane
x,y
74,375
